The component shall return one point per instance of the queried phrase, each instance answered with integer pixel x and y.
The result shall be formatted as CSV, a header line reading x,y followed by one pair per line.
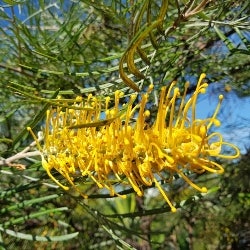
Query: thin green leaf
x,y
228,43
22,219
14,2
27,203
38,238
34,121
118,240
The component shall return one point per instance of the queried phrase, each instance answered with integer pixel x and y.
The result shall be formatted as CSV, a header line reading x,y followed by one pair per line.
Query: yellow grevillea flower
x,y
176,143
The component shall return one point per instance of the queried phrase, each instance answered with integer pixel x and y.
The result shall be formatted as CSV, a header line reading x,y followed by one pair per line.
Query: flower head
x,y
77,141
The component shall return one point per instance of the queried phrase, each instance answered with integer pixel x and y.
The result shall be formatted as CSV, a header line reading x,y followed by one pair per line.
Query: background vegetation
x,y
87,46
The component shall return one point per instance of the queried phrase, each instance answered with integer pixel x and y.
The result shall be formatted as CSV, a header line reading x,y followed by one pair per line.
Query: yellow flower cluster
x,y
176,143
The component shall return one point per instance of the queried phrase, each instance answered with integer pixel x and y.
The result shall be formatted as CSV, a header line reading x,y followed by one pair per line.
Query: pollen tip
x,y
202,76
163,88
133,97
151,86
139,193
217,123
203,90
147,113
204,190
221,171
221,97
176,91
203,130
78,99
173,209
187,84
126,142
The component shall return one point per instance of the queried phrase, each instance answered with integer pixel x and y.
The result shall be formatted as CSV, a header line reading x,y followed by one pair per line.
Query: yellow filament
x,y
202,190
47,167
35,138
213,118
236,149
194,97
220,169
160,119
179,116
176,92
173,209
203,132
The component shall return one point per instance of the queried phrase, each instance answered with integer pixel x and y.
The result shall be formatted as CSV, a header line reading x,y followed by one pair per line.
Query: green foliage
x,y
71,48
29,210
